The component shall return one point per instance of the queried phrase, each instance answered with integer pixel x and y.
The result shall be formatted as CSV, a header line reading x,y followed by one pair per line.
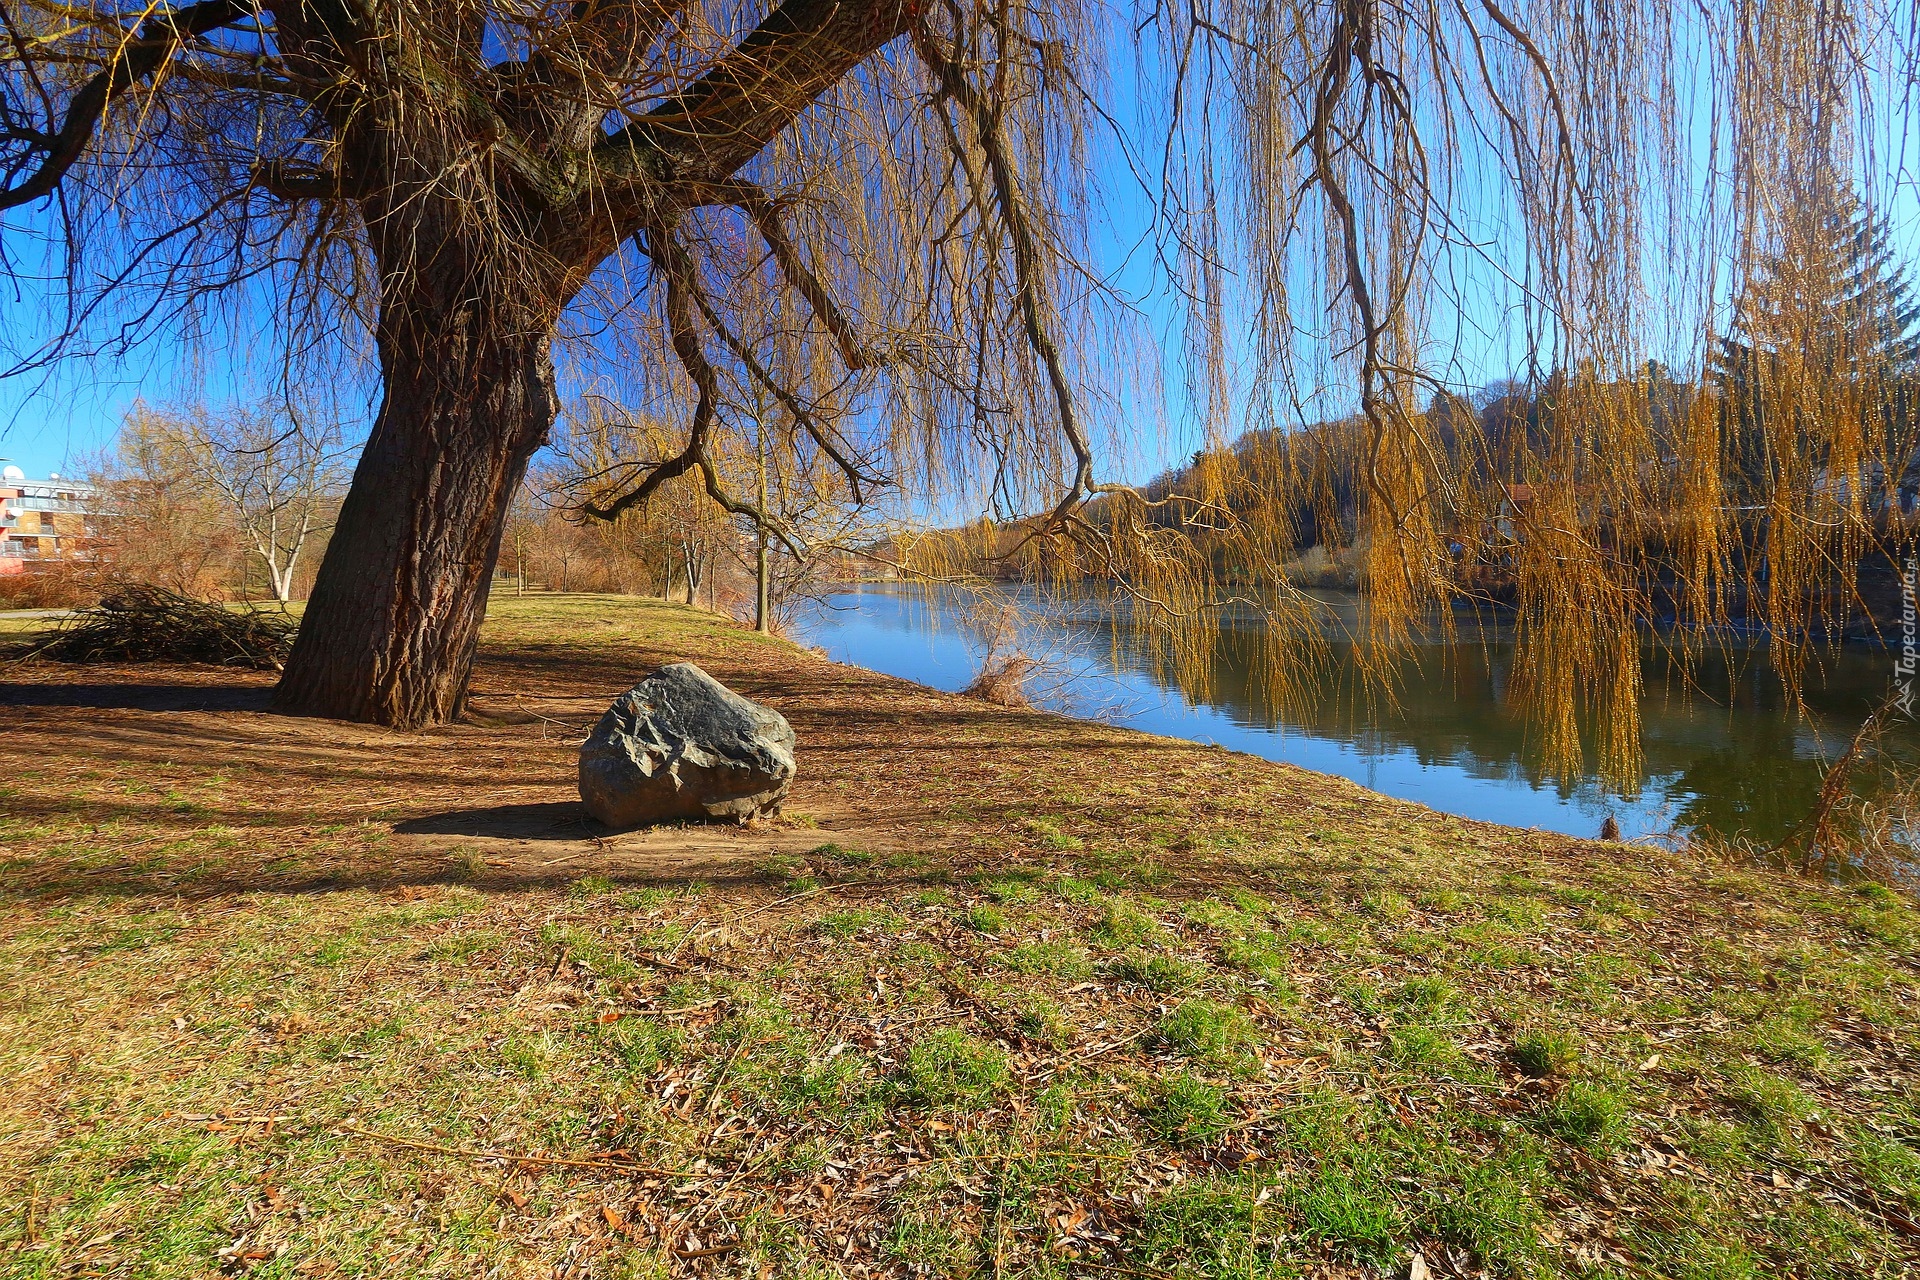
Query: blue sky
x,y
57,419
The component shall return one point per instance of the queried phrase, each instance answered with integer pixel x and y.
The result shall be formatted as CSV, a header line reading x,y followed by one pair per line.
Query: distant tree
x,y
800,518
160,523
1823,348
1499,389
281,472
521,536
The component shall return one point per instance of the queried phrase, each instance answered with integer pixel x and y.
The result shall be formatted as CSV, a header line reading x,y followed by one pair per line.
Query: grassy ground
x,y
1004,994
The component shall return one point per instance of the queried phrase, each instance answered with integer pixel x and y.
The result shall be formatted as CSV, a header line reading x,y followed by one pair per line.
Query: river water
x,y
1723,752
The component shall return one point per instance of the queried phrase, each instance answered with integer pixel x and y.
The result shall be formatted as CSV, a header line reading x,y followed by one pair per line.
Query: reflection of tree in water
x,y
1725,747
1740,789
1724,752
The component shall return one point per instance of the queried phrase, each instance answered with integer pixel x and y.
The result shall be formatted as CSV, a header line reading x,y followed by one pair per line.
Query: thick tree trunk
x,y
395,613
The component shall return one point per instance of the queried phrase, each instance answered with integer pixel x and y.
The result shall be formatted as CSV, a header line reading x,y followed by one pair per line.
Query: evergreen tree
x,y
1827,326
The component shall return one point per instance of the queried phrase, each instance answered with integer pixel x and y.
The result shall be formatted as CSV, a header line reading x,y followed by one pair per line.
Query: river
x,y
1723,752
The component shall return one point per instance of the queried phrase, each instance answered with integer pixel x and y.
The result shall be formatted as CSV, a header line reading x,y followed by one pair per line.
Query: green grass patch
x,y
845,924
1207,1029
1587,1115
1546,1053
984,919
1050,834
1050,956
1155,970
950,1068
1187,1111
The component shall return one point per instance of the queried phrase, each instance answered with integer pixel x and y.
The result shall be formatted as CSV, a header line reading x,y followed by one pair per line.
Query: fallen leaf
x,y
1417,1269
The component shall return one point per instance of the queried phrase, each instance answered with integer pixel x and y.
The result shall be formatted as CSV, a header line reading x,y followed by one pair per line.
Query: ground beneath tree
x,y
1002,993
493,797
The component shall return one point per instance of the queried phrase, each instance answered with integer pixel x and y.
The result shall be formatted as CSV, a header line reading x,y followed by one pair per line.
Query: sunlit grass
x,y
980,1046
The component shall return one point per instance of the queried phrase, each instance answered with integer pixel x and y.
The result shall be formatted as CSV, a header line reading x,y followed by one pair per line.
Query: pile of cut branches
x,y
1002,680
152,624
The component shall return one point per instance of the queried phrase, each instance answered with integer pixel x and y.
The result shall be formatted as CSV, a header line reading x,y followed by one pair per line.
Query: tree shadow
x,y
139,697
389,874
549,820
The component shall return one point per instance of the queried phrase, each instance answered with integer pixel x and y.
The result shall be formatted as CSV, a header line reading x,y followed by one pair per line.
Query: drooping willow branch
x,y
1036,307
764,212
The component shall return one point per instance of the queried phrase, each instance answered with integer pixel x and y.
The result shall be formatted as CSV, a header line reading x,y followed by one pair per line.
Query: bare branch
x,y
1029,270
764,211
677,269
724,119
157,39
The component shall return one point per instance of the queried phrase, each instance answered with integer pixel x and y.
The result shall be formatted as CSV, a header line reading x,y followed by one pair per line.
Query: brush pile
x,y
152,624
1003,680
1006,670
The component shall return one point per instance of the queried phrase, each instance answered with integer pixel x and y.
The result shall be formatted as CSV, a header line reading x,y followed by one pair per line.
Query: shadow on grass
x,y
139,697
292,878
551,820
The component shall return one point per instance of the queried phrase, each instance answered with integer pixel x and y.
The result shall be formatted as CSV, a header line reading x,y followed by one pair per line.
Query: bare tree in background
x,y
160,522
281,472
801,517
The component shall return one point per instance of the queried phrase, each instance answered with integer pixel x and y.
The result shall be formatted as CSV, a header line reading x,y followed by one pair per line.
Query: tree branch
x,y
764,212
1029,271
788,400
156,40
708,131
676,267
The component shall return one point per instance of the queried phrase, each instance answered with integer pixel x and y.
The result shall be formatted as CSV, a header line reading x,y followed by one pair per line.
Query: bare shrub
x,y
64,587
1003,680
1006,668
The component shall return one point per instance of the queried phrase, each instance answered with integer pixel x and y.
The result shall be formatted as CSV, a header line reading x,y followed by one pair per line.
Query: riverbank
x,y
1004,993
1726,755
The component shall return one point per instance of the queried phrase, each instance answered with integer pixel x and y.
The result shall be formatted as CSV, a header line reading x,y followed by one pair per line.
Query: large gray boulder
x,y
682,745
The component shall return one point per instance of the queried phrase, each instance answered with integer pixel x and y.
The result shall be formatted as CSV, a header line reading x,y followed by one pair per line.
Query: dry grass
x,y
1006,994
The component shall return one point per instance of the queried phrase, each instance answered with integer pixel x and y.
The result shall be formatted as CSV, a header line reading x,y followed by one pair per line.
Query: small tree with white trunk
x,y
281,472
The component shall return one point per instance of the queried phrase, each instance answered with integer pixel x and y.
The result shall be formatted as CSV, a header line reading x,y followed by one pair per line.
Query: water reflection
x,y
1725,752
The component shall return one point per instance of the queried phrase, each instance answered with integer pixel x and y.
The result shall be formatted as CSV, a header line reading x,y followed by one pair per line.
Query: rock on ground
x,y
682,745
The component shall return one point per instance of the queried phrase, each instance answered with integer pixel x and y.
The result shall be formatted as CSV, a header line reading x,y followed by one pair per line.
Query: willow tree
x,y
924,187
474,165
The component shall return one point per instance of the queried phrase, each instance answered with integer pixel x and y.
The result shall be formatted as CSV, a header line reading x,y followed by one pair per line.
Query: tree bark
x,y
395,614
